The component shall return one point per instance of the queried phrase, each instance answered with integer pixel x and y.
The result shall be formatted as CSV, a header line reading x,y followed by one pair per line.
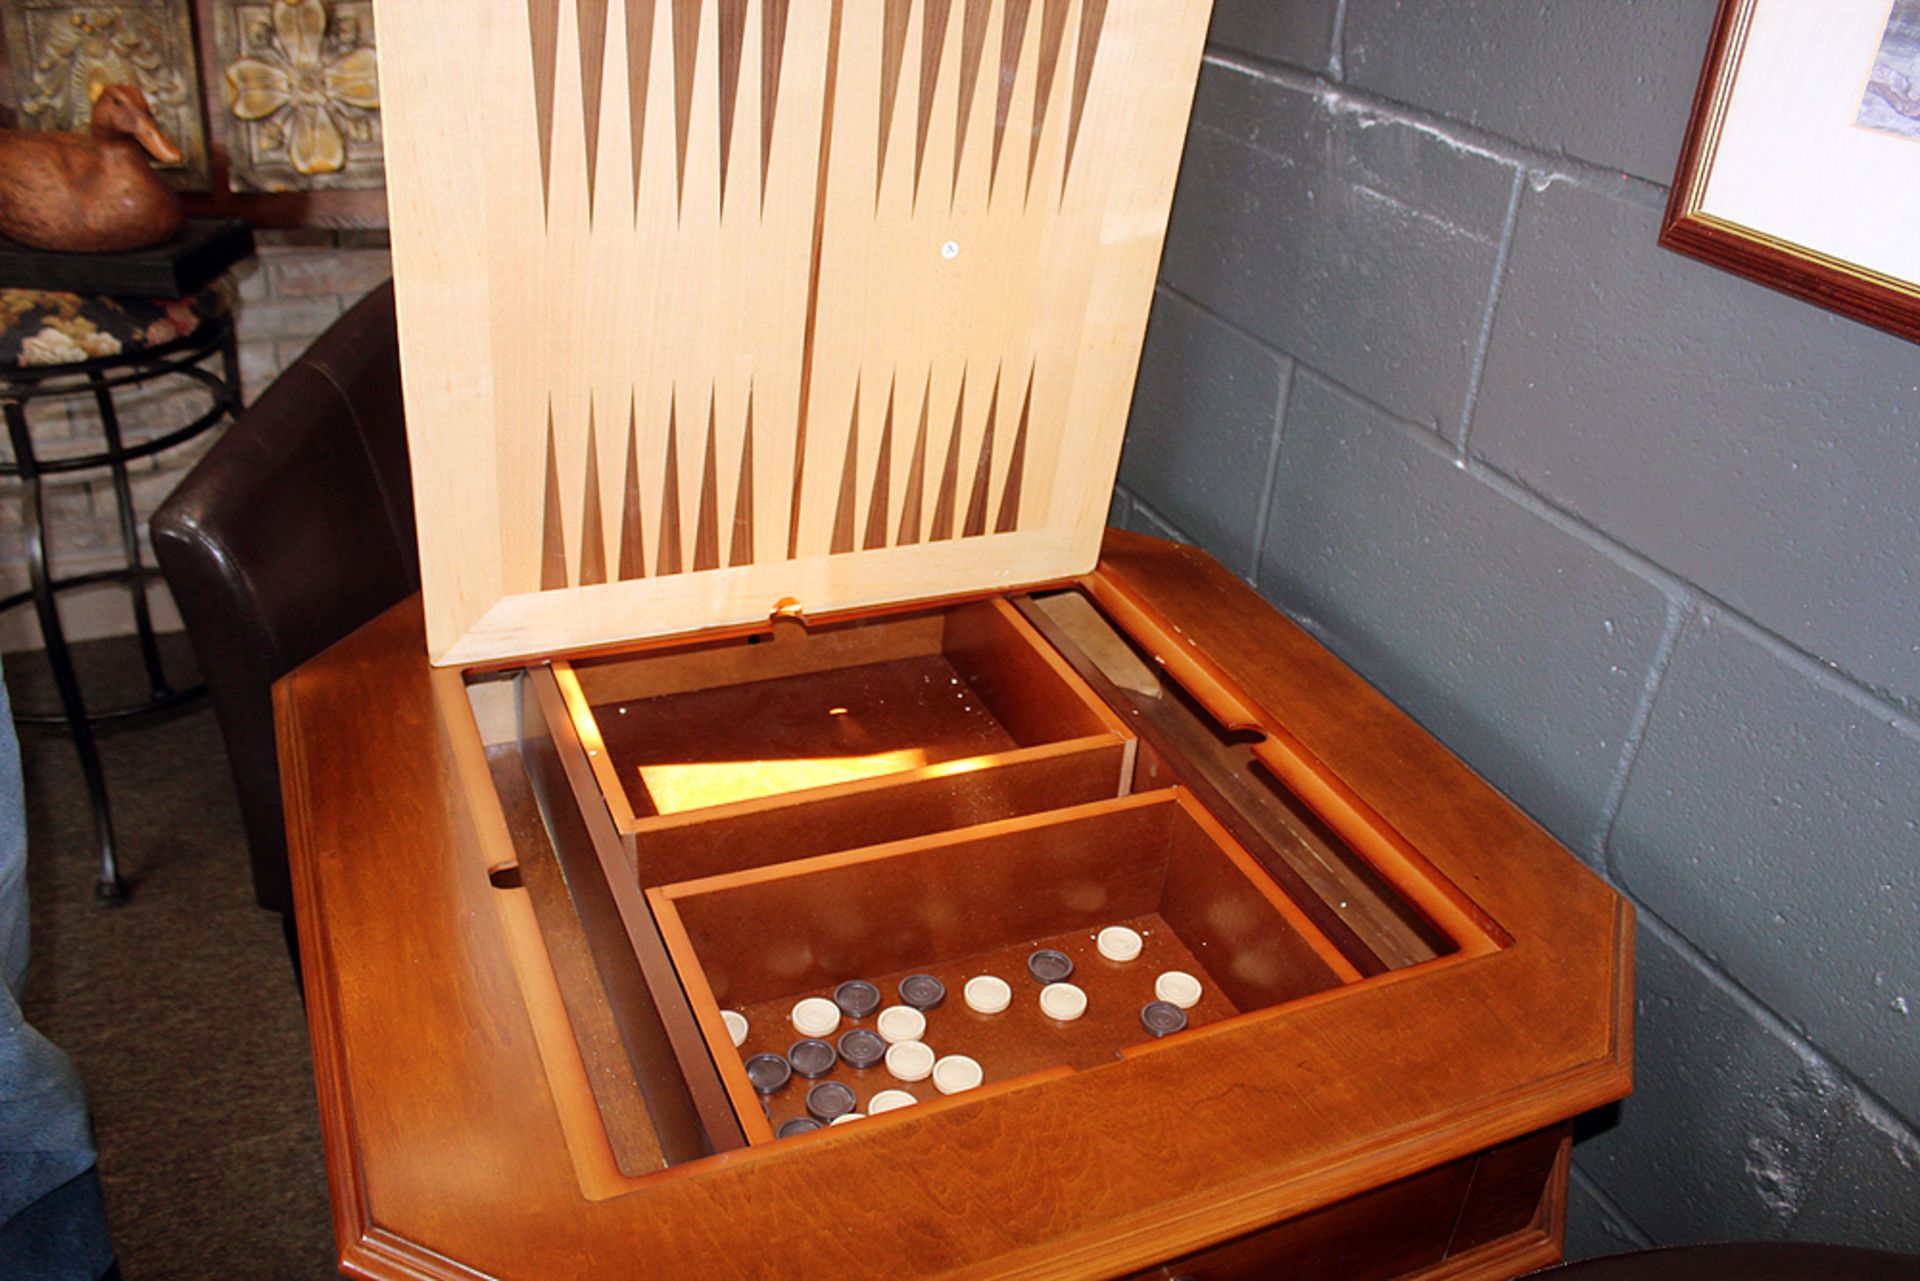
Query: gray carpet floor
x,y
181,1007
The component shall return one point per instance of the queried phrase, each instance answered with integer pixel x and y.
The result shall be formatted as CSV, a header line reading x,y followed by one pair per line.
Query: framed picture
x,y
1801,168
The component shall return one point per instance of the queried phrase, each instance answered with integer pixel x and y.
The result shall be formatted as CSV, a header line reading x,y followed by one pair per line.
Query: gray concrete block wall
x,y
1636,538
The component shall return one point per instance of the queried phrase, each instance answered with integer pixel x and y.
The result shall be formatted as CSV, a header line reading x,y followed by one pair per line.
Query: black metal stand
x,y
22,386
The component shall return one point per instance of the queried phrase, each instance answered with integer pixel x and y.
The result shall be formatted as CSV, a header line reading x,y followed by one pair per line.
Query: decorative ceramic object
x,y
92,192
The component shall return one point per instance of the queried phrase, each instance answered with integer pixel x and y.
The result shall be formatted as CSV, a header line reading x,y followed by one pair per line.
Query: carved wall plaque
x,y
58,50
302,95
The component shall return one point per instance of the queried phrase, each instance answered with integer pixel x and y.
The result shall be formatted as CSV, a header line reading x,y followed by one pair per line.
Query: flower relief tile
x,y
303,94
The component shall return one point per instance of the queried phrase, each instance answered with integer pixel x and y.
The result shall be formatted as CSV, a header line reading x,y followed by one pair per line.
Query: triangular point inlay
x,y
1009,518
591,17
668,561
911,500
593,536
1013,36
947,498
640,15
741,553
543,28
893,56
706,523
1093,17
843,514
773,52
1053,32
882,484
553,534
633,542
973,47
686,62
983,471
733,40
933,46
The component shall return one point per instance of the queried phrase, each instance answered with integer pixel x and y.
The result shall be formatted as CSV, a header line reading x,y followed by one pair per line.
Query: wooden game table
x,y
1414,1125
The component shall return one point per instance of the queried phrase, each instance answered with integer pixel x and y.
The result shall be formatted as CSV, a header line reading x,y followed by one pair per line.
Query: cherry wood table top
x,y
447,1144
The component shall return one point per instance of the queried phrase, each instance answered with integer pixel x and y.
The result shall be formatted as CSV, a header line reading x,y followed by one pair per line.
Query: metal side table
x,y
146,356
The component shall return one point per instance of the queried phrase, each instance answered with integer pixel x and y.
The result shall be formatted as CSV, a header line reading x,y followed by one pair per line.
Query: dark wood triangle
x,y
803,415
706,521
741,553
933,47
543,31
973,47
733,41
947,497
893,57
668,560
1053,33
1016,468
773,52
911,500
983,471
1093,18
1013,37
593,532
553,534
633,541
882,496
640,15
843,512
591,16
686,61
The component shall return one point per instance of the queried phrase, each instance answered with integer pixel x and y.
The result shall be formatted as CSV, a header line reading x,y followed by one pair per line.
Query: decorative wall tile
x,y
302,94
60,50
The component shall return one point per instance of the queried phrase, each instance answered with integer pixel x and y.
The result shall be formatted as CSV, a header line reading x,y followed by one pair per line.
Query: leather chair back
x,y
293,530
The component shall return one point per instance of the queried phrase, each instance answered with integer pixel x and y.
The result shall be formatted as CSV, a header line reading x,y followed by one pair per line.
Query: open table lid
x,y
711,307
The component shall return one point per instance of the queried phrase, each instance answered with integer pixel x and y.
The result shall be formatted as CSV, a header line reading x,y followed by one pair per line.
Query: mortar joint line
x,y
1495,286
1225,321
1864,1096
1680,613
1337,43
1458,133
1263,514
1593,1188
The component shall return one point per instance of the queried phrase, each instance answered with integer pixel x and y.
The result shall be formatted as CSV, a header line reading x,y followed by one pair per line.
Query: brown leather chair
x,y
296,528
1771,1261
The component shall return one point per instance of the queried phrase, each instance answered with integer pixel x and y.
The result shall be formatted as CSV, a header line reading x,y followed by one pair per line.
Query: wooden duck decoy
x,y
92,192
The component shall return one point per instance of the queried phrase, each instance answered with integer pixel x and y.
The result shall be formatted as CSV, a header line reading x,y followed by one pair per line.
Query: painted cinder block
x,y
1350,240
1300,32
1754,445
1201,436
1593,1229
1608,81
1729,1121
1523,647
1773,818
1869,1186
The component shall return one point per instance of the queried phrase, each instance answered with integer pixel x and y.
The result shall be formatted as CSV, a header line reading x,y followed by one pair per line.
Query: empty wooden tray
x,y
789,740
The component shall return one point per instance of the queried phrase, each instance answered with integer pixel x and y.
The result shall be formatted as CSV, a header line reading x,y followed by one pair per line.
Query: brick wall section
x,y
288,294
1634,537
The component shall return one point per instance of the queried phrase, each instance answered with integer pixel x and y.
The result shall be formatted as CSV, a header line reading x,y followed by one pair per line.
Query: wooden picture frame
x,y
1797,159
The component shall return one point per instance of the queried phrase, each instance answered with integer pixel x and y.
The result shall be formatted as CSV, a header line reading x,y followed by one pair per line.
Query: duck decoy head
x,y
121,110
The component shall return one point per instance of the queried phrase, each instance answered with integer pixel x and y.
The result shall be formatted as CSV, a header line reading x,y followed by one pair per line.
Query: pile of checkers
x,y
896,1037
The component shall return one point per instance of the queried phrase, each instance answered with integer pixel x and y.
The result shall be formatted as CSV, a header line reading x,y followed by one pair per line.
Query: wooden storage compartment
x,y
796,740
961,904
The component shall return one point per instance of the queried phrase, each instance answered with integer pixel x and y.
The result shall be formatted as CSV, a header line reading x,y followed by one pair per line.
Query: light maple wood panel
x,y
710,304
